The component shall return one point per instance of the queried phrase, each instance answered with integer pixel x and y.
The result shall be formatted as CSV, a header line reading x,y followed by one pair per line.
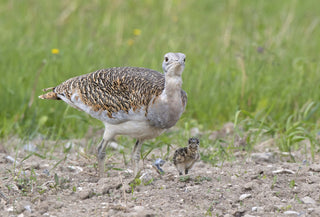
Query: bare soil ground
x,y
257,184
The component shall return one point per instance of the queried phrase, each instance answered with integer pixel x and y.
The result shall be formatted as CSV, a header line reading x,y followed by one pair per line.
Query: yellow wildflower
x,y
175,19
54,51
136,32
130,42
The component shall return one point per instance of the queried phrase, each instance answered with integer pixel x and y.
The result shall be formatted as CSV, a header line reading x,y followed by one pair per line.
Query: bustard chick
x,y
184,158
138,102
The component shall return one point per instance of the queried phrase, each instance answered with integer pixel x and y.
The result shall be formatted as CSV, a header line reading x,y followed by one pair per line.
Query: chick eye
x,y
166,59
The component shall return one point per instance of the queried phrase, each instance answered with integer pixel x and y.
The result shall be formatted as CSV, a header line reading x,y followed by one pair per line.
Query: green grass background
x,y
258,56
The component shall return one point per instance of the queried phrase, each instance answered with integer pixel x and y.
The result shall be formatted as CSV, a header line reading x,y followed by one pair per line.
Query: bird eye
x,y
166,59
184,60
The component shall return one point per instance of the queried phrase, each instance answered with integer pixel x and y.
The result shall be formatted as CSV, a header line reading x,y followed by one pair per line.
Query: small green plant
x,y
297,199
62,183
184,178
292,184
135,182
148,182
200,179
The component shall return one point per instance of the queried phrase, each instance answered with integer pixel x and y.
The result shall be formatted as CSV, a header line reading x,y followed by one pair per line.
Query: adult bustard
x,y
138,102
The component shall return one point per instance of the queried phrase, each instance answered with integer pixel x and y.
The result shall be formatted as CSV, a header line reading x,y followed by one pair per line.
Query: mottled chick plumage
x,y
184,158
133,101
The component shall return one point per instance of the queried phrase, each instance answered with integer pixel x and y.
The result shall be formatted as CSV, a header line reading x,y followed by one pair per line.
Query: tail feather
x,y
49,95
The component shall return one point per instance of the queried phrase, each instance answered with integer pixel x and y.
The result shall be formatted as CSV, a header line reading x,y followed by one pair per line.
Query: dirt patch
x,y
67,184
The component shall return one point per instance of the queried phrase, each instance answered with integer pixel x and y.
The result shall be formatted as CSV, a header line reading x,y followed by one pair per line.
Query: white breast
x,y
135,129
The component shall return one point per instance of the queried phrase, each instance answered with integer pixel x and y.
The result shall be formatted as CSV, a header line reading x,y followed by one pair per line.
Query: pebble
x,y
46,172
290,212
244,196
12,160
86,194
248,186
283,171
28,208
258,209
262,157
75,169
30,147
308,200
239,213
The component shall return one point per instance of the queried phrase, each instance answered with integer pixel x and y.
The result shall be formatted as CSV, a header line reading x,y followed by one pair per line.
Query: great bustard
x,y
138,102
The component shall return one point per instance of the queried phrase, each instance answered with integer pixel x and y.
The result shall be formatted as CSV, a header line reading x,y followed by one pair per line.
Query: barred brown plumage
x,y
184,158
133,101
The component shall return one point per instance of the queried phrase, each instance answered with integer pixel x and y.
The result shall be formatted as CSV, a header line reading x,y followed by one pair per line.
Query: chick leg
x,y
180,168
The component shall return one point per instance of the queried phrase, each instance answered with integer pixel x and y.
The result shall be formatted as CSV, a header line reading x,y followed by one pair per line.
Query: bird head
x,y
194,143
173,64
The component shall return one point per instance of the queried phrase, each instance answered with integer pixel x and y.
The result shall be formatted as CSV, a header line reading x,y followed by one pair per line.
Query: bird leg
x,y
180,168
101,155
135,156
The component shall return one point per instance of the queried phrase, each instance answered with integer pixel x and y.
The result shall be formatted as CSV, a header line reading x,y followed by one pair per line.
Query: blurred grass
x,y
256,56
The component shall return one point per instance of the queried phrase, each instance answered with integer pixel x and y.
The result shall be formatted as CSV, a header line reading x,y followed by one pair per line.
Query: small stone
x,y
283,171
58,204
263,157
128,171
308,200
239,213
27,208
46,172
12,160
86,194
258,209
75,169
290,212
244,196
30,147
248,186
